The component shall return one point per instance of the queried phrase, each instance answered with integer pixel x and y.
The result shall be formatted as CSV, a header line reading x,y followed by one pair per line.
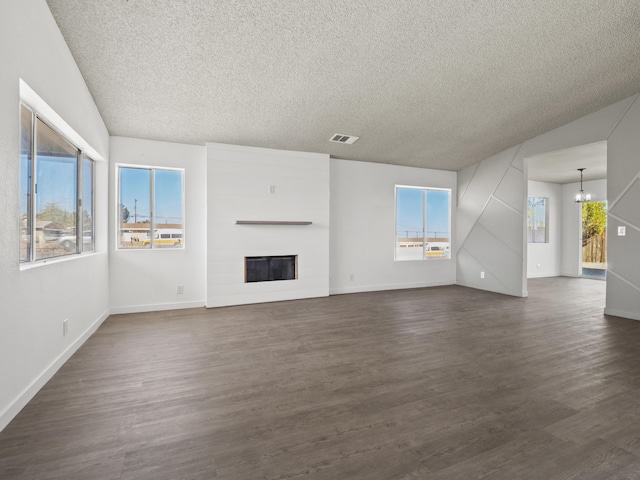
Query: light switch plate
x,y
622,231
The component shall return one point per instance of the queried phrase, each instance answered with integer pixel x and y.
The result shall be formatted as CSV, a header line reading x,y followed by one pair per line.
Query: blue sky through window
x,y
410,212
135,194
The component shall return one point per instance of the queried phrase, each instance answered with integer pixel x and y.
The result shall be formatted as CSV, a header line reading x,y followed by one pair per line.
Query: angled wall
x,y
490,224
623,191
492,195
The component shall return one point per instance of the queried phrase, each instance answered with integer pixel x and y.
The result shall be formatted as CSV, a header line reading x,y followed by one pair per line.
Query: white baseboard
x,y
622,313
543,275
157,307
34,387
501,291
378,288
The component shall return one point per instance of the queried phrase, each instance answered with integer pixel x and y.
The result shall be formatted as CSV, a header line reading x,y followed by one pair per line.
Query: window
x,y
150,200
537,220
423,221
56,192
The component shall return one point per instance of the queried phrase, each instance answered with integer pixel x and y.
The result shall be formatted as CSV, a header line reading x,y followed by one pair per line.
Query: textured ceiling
x,y
437,83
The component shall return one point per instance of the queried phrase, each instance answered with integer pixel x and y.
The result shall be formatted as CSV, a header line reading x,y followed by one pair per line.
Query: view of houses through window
x,y
56,193
423,223
150,200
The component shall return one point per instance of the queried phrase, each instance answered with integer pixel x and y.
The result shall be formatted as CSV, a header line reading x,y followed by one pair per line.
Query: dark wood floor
x,y
438,383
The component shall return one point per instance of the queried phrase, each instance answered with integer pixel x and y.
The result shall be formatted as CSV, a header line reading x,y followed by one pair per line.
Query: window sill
x,y
166,249
272,222
53,260
427,260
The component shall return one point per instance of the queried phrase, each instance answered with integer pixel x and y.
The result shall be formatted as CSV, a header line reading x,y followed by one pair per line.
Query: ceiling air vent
x,y
339,138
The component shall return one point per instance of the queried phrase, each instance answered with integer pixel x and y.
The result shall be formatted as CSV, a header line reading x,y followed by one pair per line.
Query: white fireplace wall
x,y
248,183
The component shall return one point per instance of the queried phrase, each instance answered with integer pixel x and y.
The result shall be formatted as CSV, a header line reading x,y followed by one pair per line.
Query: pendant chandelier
x,y
582,197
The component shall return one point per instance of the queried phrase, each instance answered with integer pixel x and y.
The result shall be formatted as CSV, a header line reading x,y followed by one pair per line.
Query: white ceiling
x,y
562,166
438,83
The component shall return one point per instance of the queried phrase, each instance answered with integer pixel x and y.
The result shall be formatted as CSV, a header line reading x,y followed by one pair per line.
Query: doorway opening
x,y
594,240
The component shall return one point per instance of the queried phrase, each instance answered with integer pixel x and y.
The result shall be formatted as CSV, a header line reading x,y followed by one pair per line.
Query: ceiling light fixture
x,y
582,197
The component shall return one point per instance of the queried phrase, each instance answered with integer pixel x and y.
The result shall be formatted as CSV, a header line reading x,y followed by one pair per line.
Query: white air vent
x,y
348,139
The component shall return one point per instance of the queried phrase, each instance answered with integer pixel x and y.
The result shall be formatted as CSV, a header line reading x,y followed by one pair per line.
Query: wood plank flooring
x,y
437,383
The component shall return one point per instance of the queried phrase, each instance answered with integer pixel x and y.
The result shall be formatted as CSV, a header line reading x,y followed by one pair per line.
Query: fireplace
x,y
270,268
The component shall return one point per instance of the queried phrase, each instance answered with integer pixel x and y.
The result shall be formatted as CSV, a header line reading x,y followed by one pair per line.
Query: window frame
x,y
81,154
530,236
152,214
424,255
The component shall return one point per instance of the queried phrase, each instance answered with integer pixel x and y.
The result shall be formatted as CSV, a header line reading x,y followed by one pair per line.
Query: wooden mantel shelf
x,y
270,222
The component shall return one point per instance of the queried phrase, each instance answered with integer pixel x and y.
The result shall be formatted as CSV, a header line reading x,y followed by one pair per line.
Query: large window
x,y
150,200
423,223
537,220
56,192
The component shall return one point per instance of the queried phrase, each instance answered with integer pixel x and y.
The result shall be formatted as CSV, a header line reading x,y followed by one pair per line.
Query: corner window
x,y
423,223
56,192
537,220
150,207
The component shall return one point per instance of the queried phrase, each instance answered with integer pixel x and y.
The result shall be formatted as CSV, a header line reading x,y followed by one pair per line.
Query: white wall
x,y
619,125
572,223
35,301
363,228
147,280
545,259
238,189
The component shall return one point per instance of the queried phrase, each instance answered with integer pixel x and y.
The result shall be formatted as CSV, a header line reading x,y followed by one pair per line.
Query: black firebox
x,y
270,268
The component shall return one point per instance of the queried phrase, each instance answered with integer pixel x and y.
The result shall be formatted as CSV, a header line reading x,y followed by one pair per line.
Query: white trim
x,y
157,307
34,387
507,205
545,275
42,108
622,220
152,212
391,286
623,280
613,129
613,204
461,194
622,313
63,258
475,286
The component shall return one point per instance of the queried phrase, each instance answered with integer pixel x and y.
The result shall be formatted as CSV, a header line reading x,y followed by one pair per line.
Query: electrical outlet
x,y
481,274
180,289
538,266
272,189
352,277
65,326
